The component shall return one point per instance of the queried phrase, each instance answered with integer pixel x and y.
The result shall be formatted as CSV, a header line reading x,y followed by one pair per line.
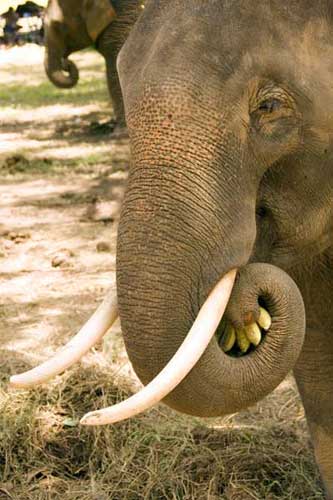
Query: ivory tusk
x,y
91,332
181,363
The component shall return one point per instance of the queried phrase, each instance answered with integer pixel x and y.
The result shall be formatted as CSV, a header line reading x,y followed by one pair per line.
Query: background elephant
x,y
76,24
230,122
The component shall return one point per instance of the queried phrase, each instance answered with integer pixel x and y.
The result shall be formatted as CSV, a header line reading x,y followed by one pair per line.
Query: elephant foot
x,y
116,130
119,131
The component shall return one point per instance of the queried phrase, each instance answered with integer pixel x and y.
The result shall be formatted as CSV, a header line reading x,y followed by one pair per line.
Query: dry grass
x,y
45,454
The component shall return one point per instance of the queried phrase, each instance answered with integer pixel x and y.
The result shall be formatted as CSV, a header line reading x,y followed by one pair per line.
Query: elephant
x,y
229,106
73,25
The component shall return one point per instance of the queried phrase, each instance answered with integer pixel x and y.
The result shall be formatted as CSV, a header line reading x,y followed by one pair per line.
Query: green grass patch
x,y
21,166
88,91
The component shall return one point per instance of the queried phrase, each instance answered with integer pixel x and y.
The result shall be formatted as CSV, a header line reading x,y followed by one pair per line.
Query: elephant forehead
x,y
229,25
217,40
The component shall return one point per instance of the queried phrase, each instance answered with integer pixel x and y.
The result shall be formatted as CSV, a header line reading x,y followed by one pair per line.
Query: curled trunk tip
x,y
62,72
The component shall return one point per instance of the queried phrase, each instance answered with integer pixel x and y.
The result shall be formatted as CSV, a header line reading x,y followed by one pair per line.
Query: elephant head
x,y
70,26
228,109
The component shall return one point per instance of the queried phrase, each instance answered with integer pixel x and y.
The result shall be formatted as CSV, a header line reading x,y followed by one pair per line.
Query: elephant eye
x,y
269,105
272,112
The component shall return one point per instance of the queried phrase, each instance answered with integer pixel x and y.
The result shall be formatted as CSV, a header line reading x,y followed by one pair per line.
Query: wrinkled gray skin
x,y
67,24
229,108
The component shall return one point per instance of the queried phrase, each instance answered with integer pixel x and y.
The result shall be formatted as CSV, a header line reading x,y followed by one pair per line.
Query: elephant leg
x,y
109,44
115,94
314,376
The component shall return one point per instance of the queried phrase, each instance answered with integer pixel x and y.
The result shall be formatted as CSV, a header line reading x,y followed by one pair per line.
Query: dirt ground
x,y
62,182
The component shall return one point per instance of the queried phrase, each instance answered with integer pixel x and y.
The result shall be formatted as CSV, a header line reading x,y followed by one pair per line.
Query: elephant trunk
x,y
61,71
169,258
182,229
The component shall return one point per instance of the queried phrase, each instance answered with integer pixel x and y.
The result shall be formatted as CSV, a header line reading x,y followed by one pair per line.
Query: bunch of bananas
x,y
244,337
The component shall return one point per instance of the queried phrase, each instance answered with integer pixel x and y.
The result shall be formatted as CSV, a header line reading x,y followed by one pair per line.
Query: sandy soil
x,y
57,225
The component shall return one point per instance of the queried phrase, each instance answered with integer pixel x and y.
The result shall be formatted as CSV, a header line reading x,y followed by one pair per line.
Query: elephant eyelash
x,y
270,105
271,110
270,99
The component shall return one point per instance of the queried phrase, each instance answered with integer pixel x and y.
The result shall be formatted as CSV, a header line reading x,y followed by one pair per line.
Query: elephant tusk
x,y
91,332
181,363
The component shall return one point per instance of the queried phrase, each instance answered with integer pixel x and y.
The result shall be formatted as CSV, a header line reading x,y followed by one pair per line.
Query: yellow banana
x,y
265,321
228,338
253,333
242,340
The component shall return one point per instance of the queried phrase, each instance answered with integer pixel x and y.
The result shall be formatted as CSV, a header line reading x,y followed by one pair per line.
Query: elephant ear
x,y
98,14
